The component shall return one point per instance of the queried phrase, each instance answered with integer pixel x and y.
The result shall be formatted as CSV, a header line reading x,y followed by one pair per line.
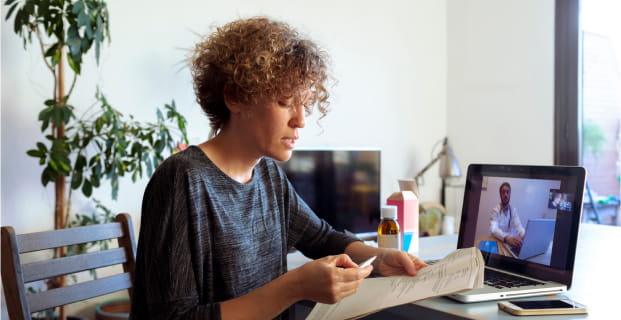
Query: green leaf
x,y
83,19
45,177
41,147
65,165
57,116
50,172
72,64
43,9
55,58
94,160
78,7
87,188
115,187
29,7
11,9
181,123
97,171
98,37
95,181
97,49
136,148
74,43
35,153
99,123
80,163
67,111
50,52
76,180
44,117
53,165
158,146
85,45
17,23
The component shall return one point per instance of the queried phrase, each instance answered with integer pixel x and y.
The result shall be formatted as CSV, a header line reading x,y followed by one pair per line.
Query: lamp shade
x,y
449,167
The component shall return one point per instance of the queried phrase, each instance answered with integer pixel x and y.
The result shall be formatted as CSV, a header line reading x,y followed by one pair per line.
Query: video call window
x,y
560,201
520,223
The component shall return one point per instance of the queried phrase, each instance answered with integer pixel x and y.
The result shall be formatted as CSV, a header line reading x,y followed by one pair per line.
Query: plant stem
x,y
42,46
75,77
59,184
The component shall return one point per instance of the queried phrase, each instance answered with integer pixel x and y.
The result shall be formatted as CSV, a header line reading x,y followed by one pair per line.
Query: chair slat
x,y
67,265
78,292
64,237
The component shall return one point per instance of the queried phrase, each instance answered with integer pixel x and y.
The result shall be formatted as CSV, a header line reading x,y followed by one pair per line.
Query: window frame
x,y
567,83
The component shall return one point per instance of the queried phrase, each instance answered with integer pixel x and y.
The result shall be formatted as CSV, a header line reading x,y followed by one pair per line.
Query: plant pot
x,y
113,310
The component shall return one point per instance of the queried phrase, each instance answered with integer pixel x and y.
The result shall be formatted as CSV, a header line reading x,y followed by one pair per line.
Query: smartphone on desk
x,y
541,307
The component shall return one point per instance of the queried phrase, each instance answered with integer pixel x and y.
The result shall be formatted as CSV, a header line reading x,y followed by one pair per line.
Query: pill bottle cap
x,y
389,212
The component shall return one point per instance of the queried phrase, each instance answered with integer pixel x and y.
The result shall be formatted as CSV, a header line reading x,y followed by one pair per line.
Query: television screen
x,y
341,186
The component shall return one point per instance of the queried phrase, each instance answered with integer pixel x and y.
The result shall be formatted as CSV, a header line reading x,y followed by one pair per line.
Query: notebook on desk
x,y
544,262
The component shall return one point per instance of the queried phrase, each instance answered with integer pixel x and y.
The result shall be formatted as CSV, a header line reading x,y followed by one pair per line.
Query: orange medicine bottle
x,y
388,235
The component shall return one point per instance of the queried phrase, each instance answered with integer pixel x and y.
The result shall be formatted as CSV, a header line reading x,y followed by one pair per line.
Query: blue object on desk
x,y
488,246
407,239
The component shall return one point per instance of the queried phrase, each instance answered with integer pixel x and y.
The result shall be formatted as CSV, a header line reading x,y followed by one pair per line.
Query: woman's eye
x,y
285,104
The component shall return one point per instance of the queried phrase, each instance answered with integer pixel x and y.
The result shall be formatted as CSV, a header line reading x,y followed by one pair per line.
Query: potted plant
x,y
78,152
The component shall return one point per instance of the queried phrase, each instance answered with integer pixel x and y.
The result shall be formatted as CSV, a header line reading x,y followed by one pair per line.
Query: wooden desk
x,y
596,282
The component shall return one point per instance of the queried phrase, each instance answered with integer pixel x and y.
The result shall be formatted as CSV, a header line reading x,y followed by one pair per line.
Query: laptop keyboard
x,y
503,280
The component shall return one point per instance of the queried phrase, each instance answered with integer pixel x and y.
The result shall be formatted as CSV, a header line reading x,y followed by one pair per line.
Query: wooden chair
x,y
15,274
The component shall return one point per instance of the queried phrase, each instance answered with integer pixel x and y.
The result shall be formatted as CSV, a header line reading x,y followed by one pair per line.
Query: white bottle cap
x,y
389,212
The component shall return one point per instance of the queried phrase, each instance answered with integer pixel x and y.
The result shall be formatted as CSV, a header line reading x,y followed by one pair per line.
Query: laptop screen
x,y
524,218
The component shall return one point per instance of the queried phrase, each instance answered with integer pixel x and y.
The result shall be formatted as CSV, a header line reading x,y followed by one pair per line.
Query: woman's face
x,y
273,126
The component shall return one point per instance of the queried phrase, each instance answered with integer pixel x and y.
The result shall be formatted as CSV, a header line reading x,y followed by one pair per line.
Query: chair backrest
x,y
16,275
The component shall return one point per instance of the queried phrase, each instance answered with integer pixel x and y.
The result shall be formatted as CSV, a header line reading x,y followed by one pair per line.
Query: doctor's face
x,y
505,195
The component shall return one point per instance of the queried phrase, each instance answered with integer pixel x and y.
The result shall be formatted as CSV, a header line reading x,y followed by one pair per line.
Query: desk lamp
x,y
449,167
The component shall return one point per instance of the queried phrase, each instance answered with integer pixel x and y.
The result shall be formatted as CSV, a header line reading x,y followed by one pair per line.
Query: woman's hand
x,y
329,279
392,262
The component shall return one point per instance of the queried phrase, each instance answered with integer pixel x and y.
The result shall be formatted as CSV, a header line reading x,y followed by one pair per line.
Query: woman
x,y
219,218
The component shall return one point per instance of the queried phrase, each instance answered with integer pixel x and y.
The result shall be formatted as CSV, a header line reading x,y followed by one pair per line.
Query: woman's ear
x,y
229,100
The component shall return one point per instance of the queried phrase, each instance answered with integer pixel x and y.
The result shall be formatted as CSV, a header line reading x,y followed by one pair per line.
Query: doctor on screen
x,y
505,222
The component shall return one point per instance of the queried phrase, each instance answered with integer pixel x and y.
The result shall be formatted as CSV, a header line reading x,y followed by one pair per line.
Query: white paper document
x,y
460,270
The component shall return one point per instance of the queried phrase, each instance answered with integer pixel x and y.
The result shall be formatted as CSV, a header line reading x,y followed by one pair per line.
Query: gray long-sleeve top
x,y
206,238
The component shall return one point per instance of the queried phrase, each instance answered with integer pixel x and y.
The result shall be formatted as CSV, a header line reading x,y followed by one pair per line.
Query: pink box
x,y
407,210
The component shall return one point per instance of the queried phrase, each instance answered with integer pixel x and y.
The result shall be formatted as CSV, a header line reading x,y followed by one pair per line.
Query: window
x,y
588,100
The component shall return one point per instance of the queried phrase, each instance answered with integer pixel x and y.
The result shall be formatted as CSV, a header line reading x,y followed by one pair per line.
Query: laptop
x,y
537,239
544,263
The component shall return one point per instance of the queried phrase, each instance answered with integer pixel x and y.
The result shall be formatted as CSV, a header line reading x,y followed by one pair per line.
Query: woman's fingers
x,y
332,278
395,262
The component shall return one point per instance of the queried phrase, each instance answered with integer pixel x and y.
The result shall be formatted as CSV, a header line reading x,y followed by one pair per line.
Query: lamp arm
x,y
420,173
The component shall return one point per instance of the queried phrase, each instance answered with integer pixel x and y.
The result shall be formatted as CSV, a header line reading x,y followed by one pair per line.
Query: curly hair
x,y
254,59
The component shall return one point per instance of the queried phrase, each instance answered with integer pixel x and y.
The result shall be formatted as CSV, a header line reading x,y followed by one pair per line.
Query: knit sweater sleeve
x,y
168,282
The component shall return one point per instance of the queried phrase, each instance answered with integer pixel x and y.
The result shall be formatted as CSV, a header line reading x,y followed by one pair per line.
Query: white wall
x,y
500,88
389,61
500,83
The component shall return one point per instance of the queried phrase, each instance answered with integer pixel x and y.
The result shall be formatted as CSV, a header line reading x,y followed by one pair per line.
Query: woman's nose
x,y
298,118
